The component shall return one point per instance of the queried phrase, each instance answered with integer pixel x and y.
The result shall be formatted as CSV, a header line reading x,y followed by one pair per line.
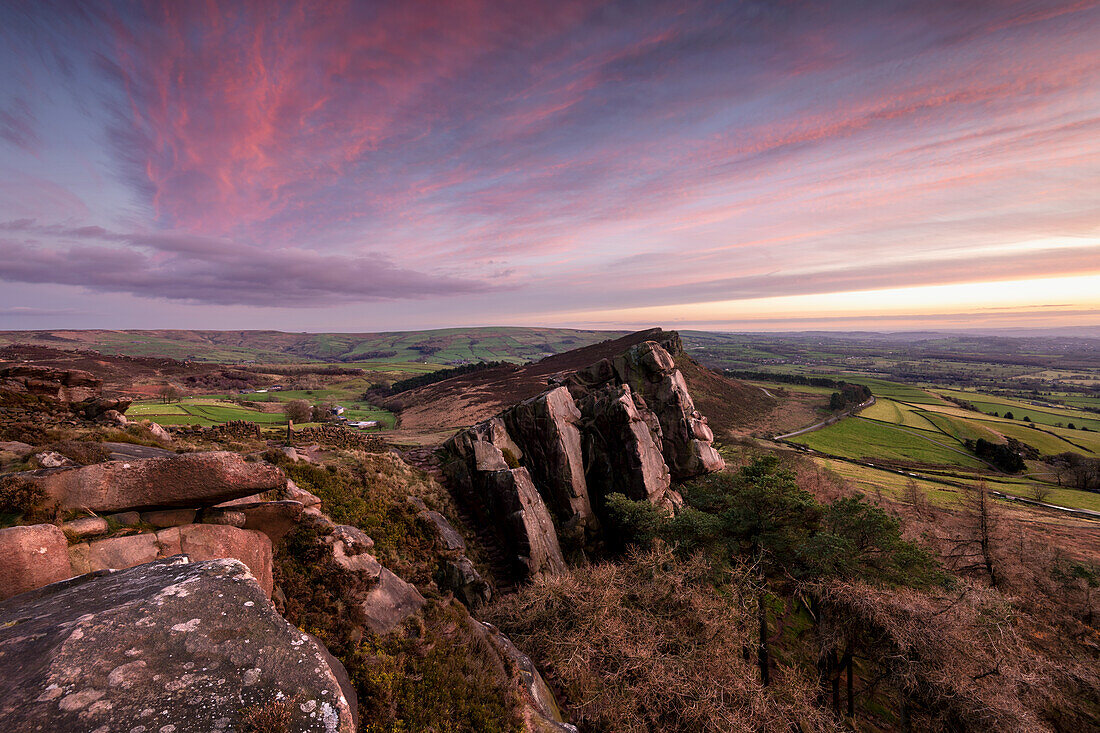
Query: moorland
x,y
905,534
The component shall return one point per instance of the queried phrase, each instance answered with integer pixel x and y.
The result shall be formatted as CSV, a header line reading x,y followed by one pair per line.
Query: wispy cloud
x,y
324,154
204,270
19,311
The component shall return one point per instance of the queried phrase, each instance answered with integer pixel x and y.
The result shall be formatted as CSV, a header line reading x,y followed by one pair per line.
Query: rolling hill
x,y
442,346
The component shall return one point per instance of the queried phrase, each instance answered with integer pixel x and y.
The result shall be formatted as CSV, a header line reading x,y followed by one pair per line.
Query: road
x,y
825,423
1079,512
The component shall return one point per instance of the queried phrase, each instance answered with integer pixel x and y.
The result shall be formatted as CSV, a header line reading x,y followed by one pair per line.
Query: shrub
x,y
82,451
633,522
19,495
510,458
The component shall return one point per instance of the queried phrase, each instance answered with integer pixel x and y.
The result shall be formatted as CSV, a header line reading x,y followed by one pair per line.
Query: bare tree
x,y
298,410
915,497
168,393
1039,492
982,522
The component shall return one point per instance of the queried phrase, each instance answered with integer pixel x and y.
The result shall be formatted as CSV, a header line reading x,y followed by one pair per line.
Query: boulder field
x,y
540,471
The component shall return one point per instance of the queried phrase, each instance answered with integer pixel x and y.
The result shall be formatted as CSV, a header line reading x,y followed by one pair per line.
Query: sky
x,y
371,166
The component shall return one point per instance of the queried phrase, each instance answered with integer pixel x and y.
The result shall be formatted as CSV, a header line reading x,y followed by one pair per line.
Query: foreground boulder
x,y
31,557
184,480
168,646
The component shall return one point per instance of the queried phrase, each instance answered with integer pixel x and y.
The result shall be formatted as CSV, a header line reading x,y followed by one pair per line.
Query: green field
x,y
802,388
204,411
209,410
894,391
894,484
1041,414
922,433
864,439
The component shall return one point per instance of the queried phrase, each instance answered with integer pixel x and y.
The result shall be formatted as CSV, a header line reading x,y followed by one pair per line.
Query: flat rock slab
x,y
174,480
130,451
168,646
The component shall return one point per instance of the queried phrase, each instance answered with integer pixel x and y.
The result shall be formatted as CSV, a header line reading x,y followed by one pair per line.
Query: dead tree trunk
x,y
846,662
985,531
834,679
762,646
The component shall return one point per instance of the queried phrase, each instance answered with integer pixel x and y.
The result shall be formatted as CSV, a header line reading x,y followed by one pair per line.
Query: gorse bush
x,y
20,496
760,515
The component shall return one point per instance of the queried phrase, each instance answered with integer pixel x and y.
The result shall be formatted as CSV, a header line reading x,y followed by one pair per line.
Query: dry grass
x,y
962,659
276,716
653,644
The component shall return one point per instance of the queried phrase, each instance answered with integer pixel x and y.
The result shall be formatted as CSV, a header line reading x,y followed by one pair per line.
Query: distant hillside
x,y
463,400
443,346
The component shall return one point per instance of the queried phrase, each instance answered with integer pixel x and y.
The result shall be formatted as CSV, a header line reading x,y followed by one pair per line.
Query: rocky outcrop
x,y
183,480
623,449
31,557
548,430
649,369
506,499
623,425
167,646
64,385
110,409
